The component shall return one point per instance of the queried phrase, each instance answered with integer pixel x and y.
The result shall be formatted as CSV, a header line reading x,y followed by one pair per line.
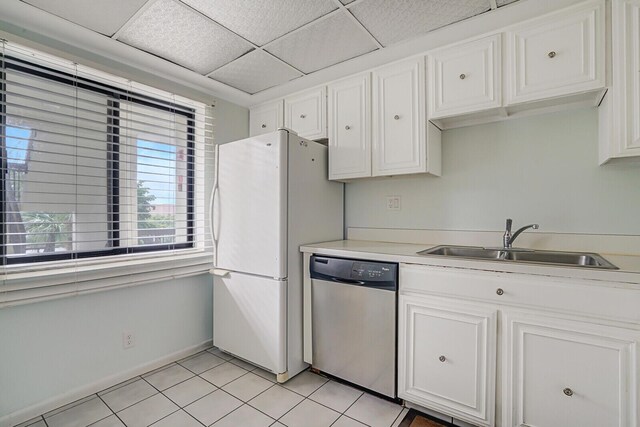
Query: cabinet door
x,y
265,118
627,64
306,113
465,78
557,54
446,357
350,128
561,372
399,119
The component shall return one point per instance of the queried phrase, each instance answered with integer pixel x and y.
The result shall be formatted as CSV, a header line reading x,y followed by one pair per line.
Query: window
x,y
90,168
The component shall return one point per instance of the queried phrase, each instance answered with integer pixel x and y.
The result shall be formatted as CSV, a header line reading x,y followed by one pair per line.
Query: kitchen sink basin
x,y
569,259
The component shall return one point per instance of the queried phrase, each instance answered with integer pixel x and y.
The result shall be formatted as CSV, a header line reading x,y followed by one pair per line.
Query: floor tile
x,y
223,374
276,401
127,395
201,362
69,406
80,415
178,419
244,365
148,411
189,391
336,396
247,386
221,354
400,417
213,406
305,383
345,421
310,414
117,386
245,416
37,422
111,421
265,374
168,377
374,411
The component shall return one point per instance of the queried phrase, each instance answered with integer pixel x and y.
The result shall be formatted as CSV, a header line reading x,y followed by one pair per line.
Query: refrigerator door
x,y
250,206
249,319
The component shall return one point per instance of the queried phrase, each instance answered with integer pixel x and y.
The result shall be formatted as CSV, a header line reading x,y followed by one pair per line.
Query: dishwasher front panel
x,y
354,334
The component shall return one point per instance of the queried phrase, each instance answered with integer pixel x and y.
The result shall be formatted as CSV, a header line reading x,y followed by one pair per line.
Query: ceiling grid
x,y
253,45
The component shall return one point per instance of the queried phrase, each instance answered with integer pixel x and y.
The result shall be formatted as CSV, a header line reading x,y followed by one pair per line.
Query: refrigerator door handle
x,y
214,190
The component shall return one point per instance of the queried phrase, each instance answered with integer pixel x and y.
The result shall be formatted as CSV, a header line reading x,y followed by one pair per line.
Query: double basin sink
x,y
567,259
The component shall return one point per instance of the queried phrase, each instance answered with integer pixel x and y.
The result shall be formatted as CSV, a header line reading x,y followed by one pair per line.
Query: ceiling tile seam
x,y
493,4
308,24
132,18
358,23
353,3
302,73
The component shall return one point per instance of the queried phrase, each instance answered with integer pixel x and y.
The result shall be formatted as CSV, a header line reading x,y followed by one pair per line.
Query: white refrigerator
x,y
271,195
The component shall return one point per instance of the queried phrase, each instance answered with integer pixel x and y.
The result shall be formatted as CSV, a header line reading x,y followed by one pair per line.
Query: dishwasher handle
x,y
347,281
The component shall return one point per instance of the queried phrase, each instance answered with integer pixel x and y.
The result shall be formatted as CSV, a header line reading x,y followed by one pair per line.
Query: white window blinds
x,y
94,165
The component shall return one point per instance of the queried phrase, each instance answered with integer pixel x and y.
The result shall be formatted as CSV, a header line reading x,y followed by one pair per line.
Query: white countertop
x,y
629,266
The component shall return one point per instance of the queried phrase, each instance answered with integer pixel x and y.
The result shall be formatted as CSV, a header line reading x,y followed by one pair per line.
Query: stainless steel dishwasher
x,y
354,321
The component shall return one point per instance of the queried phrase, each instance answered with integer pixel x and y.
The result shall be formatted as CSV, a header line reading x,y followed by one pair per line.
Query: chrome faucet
x,y
508,238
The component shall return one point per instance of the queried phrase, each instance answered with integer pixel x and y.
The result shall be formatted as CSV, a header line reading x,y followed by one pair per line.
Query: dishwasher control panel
x,y
354,272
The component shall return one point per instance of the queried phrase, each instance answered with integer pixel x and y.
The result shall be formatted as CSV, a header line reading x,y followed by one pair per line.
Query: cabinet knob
x,y
302,116
499,291
442,359
568,392
347,127
463,76
552,54
396,117
263,126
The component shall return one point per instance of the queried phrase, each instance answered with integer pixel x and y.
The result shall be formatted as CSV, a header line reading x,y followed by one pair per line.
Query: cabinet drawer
x,y
557,54
265,118
465,78
306,113
350,128
447,357
566,373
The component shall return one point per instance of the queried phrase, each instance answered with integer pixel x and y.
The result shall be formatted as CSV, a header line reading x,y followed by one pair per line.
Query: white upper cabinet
x,y
557,54
400,133
265,118
306,113
620,113
560,372
350,128
447,356
465,78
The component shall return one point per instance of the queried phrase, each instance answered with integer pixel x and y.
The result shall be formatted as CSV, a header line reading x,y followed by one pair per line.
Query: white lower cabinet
x,y
560,372
447,354
558,355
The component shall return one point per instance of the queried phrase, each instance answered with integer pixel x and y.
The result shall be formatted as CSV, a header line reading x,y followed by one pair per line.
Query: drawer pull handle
x,y
442,359
499,291
396,117
463,76
263,126
552,54
568,392
302,116
347,127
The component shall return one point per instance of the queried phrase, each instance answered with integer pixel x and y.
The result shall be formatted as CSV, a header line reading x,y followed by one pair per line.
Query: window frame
x,y
115,96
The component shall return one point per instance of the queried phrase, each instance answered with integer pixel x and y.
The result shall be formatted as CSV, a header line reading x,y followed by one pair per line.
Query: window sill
x,y
28,283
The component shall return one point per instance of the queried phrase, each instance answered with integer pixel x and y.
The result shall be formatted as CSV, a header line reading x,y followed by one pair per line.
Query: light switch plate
x,y
394,203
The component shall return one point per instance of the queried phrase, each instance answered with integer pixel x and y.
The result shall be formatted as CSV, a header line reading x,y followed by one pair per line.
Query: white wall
x,y
538,169
52,347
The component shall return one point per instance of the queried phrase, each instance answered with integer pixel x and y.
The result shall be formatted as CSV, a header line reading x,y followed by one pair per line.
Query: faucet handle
x,y
509,223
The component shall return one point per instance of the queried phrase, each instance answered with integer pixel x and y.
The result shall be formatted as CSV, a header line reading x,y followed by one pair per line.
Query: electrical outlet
x,y
394,203
128,340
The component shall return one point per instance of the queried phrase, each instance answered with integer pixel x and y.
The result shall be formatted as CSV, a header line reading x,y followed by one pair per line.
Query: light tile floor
x,y
212,388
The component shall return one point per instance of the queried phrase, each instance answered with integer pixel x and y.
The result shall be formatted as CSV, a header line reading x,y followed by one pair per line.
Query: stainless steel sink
x,y
569,259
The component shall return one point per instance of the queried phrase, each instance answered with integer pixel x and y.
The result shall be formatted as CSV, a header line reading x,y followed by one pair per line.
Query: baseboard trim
x,y
50,404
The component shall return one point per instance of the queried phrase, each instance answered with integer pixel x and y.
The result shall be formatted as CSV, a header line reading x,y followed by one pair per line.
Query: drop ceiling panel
x,y
391,21
177,33
265,20
505,2
324,43
254,72
103,16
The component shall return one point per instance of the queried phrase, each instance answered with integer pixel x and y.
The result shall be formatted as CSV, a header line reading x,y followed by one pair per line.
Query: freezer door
x,y
249,319
250,206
